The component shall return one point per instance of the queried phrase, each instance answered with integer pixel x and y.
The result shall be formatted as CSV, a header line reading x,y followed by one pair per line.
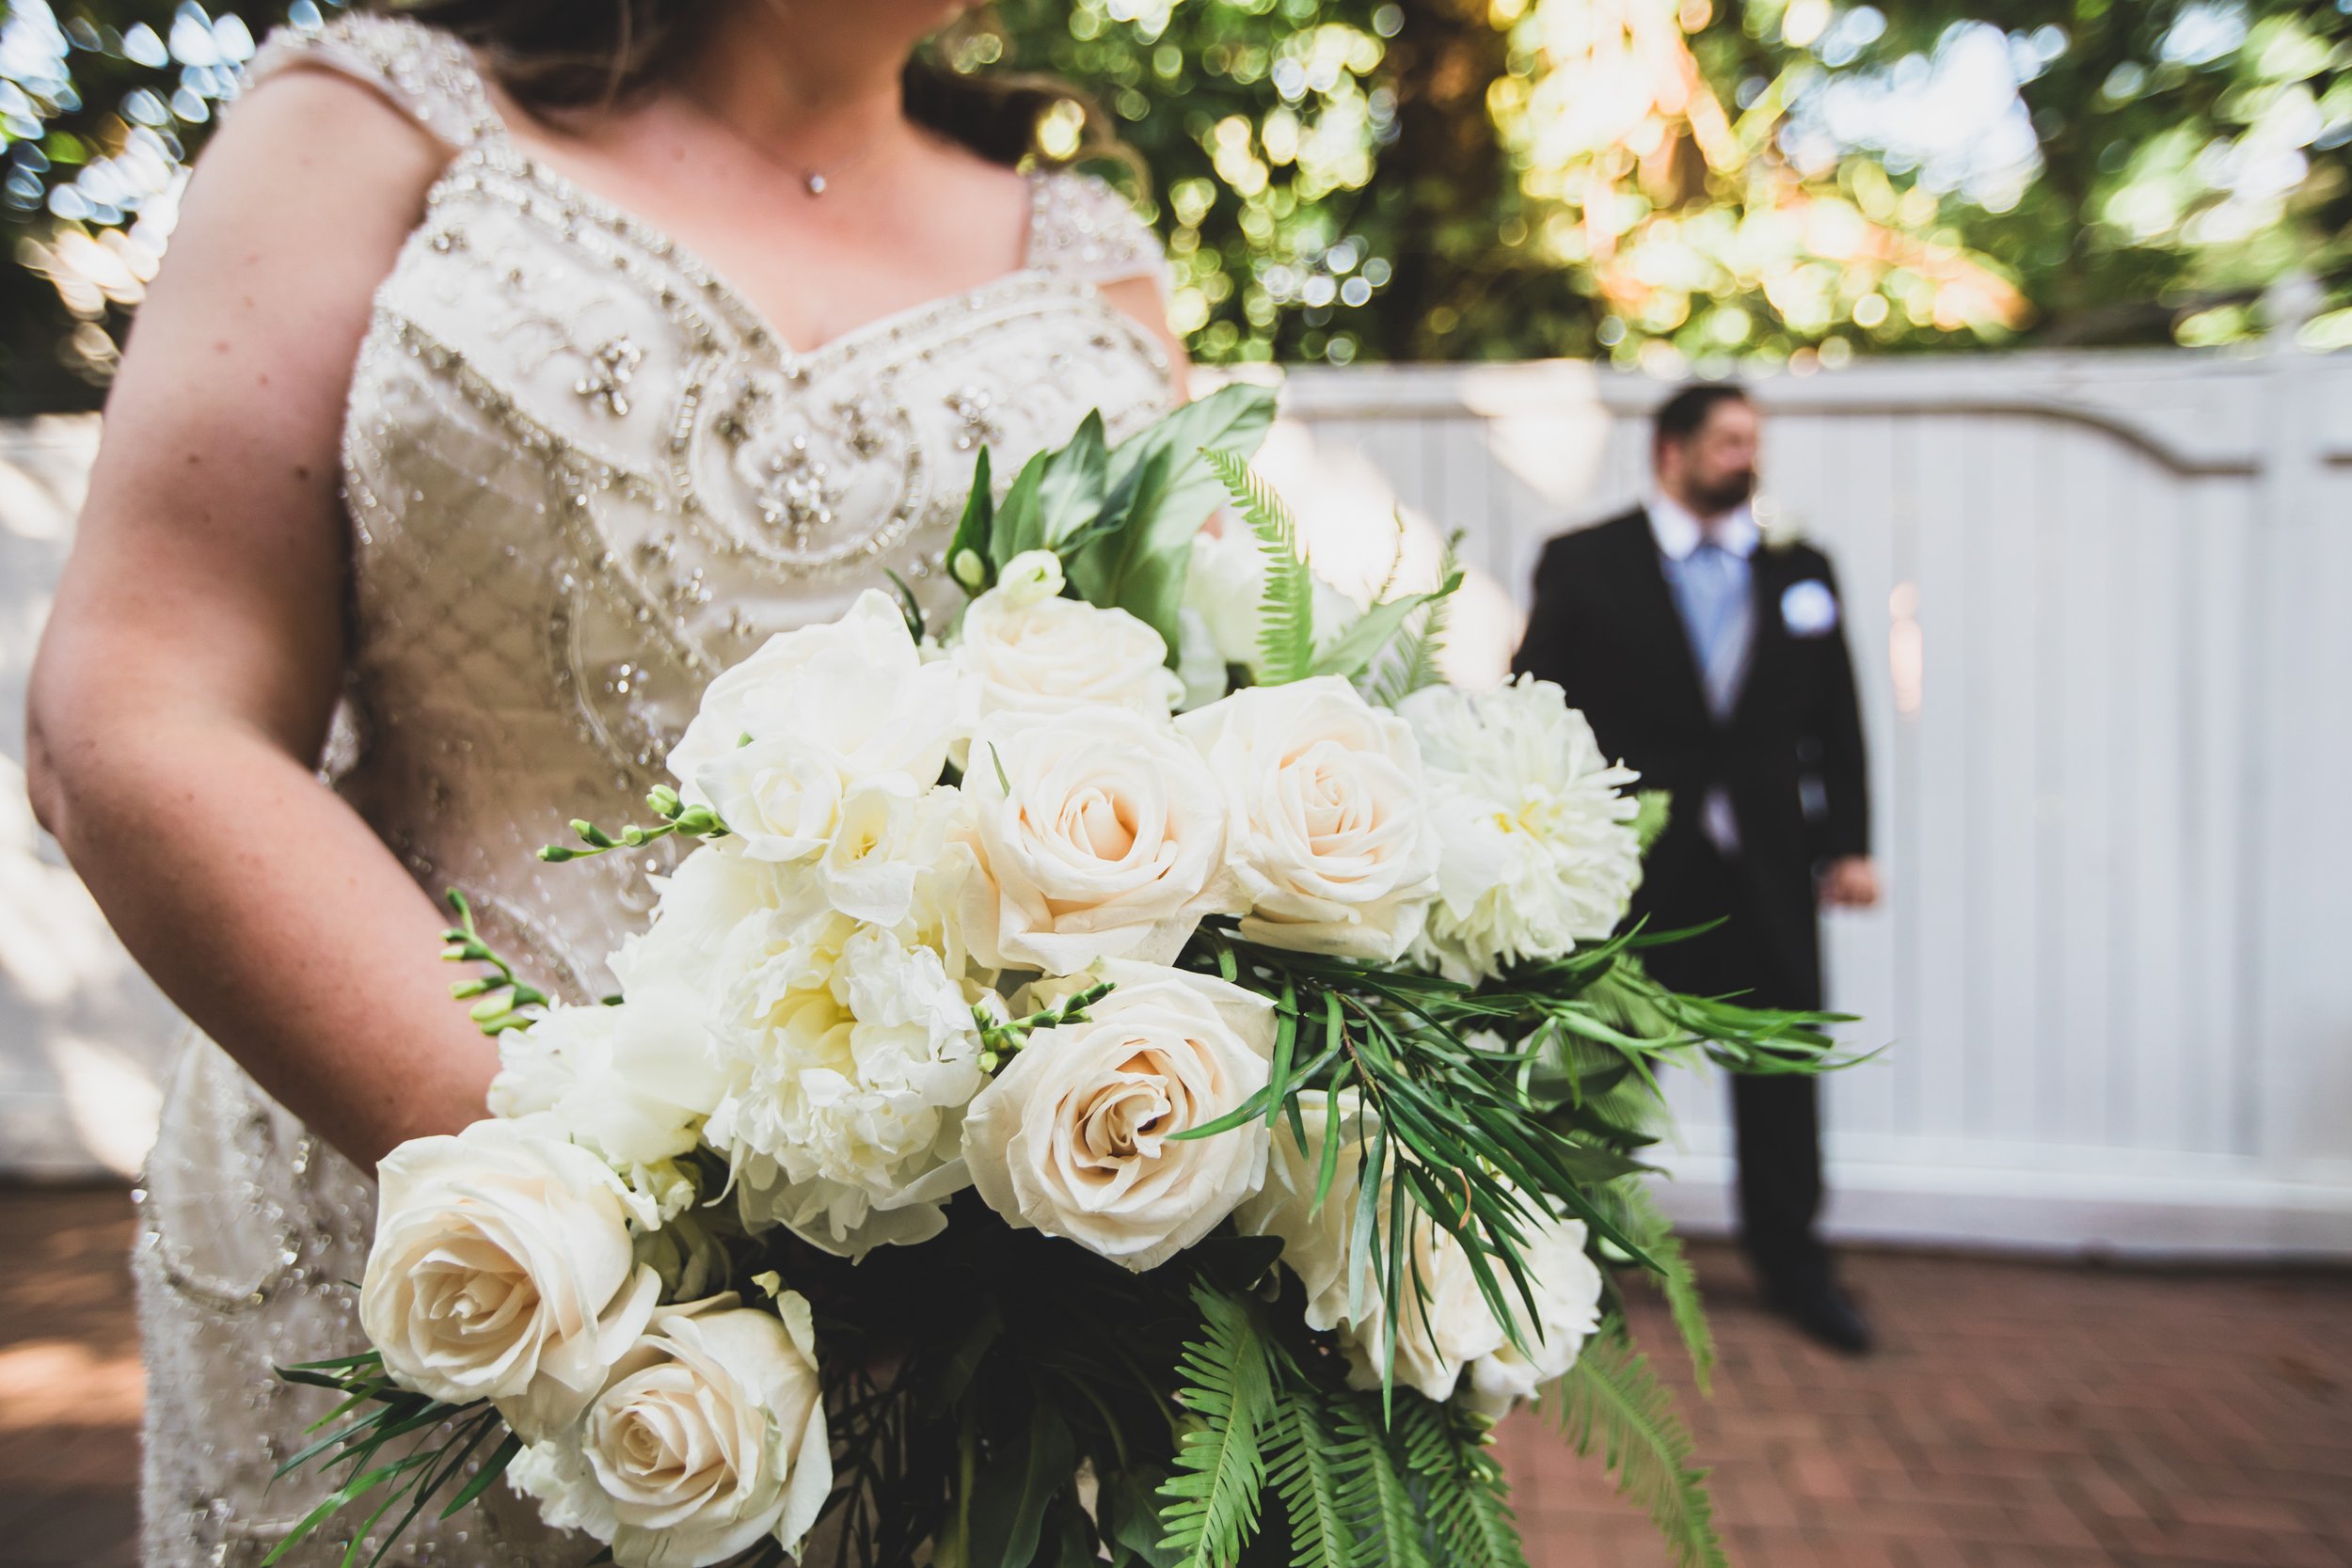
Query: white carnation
x,y
852,1053
1539,848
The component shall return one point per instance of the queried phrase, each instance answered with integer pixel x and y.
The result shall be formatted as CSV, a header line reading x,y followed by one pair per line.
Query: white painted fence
x,y
2102,610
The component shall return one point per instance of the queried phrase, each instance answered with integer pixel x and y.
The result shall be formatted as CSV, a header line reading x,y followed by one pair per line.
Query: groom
x,y
1715,664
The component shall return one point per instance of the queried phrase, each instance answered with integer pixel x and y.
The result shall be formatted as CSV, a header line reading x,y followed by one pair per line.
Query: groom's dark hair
x,y
1680,417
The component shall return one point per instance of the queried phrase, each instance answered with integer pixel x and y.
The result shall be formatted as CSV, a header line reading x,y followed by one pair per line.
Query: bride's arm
x,y
196,648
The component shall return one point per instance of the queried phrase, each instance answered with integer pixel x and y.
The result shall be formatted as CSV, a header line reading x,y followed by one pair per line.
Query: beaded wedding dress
x,y
583,475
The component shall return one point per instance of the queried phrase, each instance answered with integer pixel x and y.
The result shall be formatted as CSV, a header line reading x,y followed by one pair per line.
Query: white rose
x,y
1567,1285
502,1270
1076,1137
1031,653
1100,834
1329,841
711,1437
1539,847
855,693
852,1055
1446,1325
631,1083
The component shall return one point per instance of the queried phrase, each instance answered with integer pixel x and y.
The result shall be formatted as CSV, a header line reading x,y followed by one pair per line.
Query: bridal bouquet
x,y
1140,1073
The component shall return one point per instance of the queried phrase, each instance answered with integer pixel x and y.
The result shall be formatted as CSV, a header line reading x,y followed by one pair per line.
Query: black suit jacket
x,y
1606,627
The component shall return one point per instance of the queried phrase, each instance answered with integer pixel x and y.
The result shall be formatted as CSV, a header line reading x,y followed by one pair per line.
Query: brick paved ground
x,y
2020,1415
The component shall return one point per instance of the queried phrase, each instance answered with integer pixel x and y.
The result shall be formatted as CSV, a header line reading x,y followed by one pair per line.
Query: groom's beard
x,y
1725,493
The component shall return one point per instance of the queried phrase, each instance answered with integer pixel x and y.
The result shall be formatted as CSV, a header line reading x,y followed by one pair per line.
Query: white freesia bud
x,y
711,1437
502,1270
1100,834
1539,847
1075,1138
1329,842
1031,576
854,693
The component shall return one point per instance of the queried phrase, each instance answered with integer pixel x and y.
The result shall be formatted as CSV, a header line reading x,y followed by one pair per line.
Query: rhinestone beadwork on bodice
x,y
583,475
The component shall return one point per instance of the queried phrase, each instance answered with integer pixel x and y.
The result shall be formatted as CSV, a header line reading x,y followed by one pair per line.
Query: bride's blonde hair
x,y
557,54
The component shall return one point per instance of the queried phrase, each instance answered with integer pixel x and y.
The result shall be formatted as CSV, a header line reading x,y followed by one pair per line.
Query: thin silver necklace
x,y
815,182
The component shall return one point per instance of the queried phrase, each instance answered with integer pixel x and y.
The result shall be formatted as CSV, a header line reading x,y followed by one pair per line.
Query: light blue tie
x,y
1716,614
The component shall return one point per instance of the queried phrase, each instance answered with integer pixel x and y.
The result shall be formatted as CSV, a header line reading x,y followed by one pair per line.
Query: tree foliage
x,y
1663,182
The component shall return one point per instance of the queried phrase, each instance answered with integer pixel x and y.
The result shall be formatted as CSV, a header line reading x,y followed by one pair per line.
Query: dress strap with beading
x,y
427,73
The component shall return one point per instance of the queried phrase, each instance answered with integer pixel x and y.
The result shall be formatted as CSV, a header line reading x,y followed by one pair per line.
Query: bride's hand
x,y
195,650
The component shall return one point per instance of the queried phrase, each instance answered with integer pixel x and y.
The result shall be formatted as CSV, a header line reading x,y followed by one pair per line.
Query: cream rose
x,y
1329,842
1100,834
502,1270
854,693
1076,1136
1027,650
711,1437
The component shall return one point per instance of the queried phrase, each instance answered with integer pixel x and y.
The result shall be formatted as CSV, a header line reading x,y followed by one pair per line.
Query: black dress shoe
x,y
1828,1314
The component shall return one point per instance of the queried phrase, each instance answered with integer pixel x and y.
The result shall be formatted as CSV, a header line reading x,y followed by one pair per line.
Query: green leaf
x,y
1390,1523
969,548
1656,809
1009,1509
1211,1503
1413,664
1362,644
1018,524
1286,619
1646,1224
1303,1463
1131,1518
1161,492
1469,1506
1074,485
1610,1400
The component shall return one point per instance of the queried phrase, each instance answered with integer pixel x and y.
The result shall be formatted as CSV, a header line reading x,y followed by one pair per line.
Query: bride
x,y
518,366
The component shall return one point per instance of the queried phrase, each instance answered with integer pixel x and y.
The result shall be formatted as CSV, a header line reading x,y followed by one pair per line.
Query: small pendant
x,y
815,184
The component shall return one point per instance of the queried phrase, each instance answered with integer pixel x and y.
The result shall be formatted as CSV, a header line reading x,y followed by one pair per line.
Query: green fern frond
x,y
1612,1398
1373,1489
1286,624
1648,1225
1304,1464
1211,1504
1468,1502
1413,664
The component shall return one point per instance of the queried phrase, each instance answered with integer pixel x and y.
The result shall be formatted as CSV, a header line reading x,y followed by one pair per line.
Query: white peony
x,y
1539,847
1328,841
1567,1285
1027,650
854,695
852,1052
711,1437
502,1270
1075,1137
1100,834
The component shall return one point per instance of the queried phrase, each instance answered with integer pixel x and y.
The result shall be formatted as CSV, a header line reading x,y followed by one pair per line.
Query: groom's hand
x,y
1849,882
